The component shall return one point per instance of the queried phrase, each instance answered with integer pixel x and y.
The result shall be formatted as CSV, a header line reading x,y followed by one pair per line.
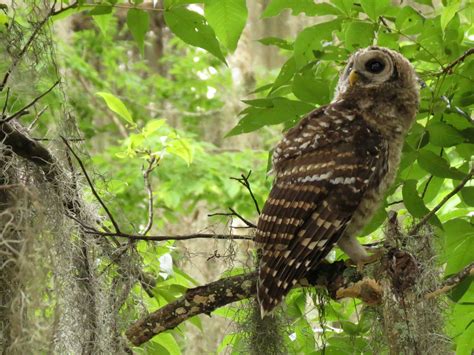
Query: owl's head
x,y
377,70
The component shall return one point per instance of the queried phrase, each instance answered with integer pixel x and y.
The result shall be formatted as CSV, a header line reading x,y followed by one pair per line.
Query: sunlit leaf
x,y
448,13
375,8
358,34
281,110
117,106
193,29
459,244
227,18
311,39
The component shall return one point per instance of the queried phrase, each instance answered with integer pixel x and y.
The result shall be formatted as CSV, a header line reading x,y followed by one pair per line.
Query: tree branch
x,y
426,218
23,110
91,185
449,68
205,299
452,281
152,164
244,180
27,45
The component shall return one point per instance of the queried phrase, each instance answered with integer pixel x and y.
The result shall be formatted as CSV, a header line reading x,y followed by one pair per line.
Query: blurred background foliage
x,y
206,88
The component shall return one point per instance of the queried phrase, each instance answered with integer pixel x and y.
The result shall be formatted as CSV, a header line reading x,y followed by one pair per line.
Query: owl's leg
x,y
351,246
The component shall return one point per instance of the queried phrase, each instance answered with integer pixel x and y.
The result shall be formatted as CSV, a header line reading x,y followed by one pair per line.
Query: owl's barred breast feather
x,y
323,167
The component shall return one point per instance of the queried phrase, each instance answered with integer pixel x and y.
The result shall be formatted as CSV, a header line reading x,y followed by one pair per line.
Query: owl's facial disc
x,y
370,67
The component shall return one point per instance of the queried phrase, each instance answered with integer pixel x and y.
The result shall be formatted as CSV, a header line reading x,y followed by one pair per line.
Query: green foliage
x,y
228,19
436,156
138,22
193,29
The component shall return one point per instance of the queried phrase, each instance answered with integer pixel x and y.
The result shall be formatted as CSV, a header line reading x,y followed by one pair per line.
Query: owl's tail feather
x,y
269,296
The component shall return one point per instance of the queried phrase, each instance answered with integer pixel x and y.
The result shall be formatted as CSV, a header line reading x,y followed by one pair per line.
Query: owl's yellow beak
x,y
353,77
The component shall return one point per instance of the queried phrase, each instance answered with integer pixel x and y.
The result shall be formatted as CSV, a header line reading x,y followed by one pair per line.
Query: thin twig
x,y
91,185
63,9
244,180
426,218
4,109
246,221
37,117
27,45
449,68
452,281
24,109
235,214
152,164
161,238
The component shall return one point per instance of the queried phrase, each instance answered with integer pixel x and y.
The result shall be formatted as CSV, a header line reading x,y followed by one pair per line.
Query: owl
x,y
332,170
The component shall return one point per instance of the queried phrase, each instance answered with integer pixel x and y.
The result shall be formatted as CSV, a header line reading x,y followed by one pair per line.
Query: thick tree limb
x,y
205,299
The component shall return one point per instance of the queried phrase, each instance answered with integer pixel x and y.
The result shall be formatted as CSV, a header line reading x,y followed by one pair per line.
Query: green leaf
x,y
438,166
138,22
459,244
281,110
181,148
103,22
344,5
358,34
193,29
444,135
467,194
168,341
168,4
286,73
315,83
101,9
227,18
375,8
117,106
413,203
408,21
448,13
298,6
311,39
275,41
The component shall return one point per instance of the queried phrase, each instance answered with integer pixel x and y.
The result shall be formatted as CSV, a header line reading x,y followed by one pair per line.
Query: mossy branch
x,y
335,277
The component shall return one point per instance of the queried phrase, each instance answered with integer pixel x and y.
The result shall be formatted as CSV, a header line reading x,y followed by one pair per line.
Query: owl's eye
x,y
374,66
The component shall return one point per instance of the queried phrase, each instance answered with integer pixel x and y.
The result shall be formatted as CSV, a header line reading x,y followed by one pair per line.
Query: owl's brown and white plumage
x,y
332,169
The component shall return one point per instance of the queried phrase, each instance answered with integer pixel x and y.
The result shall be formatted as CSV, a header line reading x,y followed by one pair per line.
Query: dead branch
x,y
24,110
161,238
207,298
91,185
244,180
152,164
452,281
27,45
426,218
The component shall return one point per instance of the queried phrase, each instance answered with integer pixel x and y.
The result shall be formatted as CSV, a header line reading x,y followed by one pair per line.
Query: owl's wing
x,y
323,168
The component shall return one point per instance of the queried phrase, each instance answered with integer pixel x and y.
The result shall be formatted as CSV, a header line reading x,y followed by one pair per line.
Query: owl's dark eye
x,y
374,66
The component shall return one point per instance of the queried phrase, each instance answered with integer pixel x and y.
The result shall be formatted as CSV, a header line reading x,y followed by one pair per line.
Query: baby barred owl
x,y
332,170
